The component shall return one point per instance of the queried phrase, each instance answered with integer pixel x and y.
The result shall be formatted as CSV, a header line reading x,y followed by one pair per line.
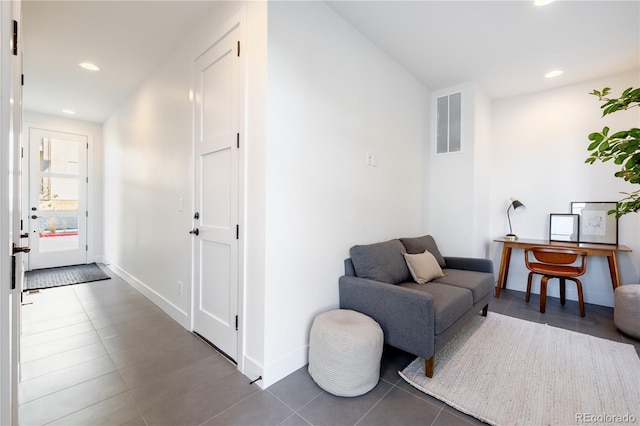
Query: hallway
x,y
101,353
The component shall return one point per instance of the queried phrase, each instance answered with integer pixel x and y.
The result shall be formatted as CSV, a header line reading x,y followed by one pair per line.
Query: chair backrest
x,y
555,257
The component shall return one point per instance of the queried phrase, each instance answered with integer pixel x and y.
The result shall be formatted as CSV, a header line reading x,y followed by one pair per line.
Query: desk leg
x,y
504,269
613,270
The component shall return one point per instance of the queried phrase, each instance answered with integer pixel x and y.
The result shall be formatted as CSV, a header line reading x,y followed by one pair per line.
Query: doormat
x,y
65,275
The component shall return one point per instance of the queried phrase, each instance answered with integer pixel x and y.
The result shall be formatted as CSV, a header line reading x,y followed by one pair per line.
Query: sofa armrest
x,y
469,264
406,316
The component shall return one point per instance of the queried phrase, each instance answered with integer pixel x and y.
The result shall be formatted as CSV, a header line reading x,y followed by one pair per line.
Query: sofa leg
x,y
485,310
428,366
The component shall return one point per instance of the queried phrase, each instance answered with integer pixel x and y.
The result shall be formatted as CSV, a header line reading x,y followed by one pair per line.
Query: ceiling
x,y
126,39
506,46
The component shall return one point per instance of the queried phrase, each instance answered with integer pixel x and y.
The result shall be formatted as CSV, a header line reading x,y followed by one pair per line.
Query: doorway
x,y
57,198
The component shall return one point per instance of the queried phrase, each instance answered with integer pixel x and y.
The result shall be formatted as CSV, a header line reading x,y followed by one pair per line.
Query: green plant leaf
x,y
596,137
620,135
623,147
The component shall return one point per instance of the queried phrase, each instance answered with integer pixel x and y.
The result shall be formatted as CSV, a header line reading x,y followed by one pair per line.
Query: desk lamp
x,y
517,207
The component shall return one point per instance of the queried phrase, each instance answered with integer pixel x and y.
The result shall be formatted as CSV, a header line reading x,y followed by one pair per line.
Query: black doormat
x,y
64,275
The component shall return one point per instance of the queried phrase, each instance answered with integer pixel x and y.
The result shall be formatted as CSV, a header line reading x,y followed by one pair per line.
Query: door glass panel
x,y
59,194
58,233
59,156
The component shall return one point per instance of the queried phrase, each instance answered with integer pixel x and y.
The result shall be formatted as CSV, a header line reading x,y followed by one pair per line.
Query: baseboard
x,y
172,310
286,365
252,370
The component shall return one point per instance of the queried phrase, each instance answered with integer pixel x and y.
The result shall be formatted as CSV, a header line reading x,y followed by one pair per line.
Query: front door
x,y
57,210
217,73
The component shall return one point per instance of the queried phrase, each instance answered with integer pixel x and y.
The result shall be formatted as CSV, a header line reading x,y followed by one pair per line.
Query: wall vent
x,y
448,123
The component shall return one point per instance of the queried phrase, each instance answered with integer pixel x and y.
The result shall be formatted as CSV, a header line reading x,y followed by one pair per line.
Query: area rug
x,y
66,275
506,371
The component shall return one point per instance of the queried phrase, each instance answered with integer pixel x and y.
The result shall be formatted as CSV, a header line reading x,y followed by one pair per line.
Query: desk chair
x,y
555,263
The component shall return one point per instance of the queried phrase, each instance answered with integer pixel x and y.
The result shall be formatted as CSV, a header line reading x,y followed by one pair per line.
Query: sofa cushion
x,y
479,283
449,303
423,267
420,244
381,262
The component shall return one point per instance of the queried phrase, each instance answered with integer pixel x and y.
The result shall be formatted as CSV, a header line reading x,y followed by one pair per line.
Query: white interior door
x,y
57,212
217,73
11,244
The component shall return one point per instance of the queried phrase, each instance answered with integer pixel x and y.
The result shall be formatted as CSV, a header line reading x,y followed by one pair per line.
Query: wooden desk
x,y
607,250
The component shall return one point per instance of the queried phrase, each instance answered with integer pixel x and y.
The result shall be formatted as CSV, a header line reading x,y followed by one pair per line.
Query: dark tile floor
x,y
102,354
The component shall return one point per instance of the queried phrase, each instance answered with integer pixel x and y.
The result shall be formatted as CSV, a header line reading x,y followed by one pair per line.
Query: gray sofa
x,y
417,318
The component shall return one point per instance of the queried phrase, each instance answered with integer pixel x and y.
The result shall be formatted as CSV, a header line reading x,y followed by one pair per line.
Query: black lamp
x,y
517,207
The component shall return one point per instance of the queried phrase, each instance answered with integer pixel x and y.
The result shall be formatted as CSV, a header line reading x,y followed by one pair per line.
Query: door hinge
x,y
236,323
237,232
238,47
238,140
86,248
22,80
14,39
87,179
86,213
13,275
21,152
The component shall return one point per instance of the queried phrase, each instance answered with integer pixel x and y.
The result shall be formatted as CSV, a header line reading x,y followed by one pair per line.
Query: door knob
x,y
194,231
33,216
25,235
17,249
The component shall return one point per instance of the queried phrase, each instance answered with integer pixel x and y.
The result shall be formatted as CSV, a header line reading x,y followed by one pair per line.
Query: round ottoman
x,y
345,348
626,309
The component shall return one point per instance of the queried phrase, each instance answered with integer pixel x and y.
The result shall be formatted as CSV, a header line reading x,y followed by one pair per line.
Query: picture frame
x,y
564,227
596,224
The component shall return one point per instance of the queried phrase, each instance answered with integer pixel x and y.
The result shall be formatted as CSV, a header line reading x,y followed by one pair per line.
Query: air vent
x,y
448,123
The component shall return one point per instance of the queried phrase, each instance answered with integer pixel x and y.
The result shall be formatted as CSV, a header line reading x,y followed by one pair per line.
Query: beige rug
x,y
506,371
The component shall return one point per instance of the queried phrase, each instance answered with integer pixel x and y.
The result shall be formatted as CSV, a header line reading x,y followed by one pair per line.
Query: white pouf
x,y
626,310
345,348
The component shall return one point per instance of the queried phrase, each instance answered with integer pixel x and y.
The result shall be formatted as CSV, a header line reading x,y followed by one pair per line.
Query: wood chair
x,y
556,263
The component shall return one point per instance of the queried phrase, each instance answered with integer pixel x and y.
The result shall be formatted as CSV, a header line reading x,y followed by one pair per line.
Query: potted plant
x,y
623,147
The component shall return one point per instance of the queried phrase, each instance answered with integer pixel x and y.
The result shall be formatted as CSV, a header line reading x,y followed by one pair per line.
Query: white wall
x,y
149,172
148,167
253,243
538,151
332,97
458,197
95,166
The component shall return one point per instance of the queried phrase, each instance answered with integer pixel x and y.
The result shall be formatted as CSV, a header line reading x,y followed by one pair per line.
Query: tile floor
x,y
102,354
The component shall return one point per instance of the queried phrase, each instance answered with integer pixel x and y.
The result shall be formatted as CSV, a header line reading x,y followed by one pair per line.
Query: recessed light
x,y
68,111
542,2
553,73
89,66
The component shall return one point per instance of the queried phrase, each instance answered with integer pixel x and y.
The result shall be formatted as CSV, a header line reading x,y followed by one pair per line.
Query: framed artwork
x,y
596,224
564,227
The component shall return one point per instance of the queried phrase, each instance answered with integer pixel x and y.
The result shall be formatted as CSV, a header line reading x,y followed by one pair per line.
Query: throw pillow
x,y
420,244
381,262
423,267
